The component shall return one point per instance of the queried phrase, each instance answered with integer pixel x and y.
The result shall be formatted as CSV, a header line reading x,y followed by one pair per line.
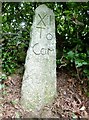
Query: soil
x,y
71,101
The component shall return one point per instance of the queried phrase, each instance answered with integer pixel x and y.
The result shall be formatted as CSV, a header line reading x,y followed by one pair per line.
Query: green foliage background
x,y
72,35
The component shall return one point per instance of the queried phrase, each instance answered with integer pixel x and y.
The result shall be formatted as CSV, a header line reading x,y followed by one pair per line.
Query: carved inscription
x,y
42,19
41,25
42,51
40,30
49,36
50,19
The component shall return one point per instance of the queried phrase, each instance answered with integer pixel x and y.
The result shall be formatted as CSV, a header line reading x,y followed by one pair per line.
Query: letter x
x,y
42,19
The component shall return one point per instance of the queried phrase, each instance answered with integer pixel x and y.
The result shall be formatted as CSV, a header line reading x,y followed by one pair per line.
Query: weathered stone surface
x,y
39,80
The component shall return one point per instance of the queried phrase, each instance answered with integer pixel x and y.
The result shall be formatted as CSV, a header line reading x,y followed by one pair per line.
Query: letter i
x,y
50,20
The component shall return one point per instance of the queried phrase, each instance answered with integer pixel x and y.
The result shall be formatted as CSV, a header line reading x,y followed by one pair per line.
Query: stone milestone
x,y
39,80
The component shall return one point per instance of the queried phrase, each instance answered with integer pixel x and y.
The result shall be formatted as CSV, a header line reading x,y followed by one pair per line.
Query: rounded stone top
x,y
43,8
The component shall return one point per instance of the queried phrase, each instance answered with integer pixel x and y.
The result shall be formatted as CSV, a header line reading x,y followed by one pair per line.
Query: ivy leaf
x,y
80,63
70,55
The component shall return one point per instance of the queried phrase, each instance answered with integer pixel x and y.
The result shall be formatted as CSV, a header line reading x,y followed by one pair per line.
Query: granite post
x,y
39,80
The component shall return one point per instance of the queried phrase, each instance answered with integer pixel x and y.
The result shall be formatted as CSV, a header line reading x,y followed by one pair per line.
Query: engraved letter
x,y
40,30
34,49
42,19
49,36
